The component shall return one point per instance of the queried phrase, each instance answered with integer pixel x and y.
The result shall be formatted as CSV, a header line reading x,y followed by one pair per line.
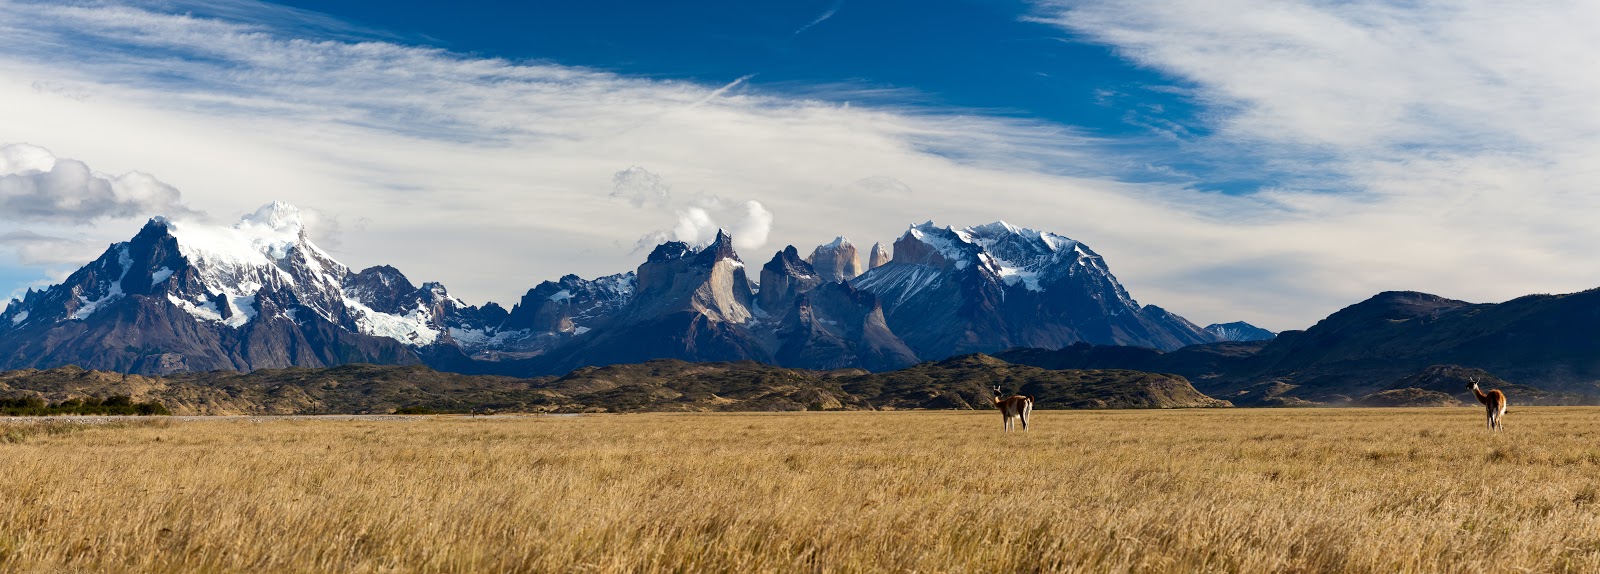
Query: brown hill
x,y
664,385
1408,397
964,382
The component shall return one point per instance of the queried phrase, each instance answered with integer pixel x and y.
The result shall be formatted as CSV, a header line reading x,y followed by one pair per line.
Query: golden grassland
x,y
1219,490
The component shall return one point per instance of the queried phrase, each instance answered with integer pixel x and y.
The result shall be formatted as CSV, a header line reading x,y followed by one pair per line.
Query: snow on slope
x,y
269,250
113,291
1018,256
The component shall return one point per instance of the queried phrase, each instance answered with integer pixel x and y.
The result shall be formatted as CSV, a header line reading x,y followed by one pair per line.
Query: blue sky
x,y
1260,160
978,55
983,57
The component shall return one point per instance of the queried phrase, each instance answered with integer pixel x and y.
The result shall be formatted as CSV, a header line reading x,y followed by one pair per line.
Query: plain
x,y
1205,490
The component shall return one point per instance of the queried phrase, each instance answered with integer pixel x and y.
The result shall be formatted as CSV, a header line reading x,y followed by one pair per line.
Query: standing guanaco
x,y
1493,401
1013,408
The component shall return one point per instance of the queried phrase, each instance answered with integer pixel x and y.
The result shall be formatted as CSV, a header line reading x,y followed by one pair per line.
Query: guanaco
x,y
1494,402
1013,408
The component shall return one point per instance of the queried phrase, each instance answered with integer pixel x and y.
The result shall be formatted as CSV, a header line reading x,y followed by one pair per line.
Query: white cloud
x,y
750,228
39,187
826,14
747,222
1458,139
639,186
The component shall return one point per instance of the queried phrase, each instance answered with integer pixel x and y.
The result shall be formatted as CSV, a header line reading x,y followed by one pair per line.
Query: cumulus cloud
x,y
748,222
699,219
639,186
36,186
751,226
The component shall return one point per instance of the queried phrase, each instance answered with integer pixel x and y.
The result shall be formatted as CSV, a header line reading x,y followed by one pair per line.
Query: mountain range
x,y
1543,349
181,296
185,297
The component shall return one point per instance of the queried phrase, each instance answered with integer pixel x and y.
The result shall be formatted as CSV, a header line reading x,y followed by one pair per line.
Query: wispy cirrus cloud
x,y
1457,135
826,14
254,105
1389,164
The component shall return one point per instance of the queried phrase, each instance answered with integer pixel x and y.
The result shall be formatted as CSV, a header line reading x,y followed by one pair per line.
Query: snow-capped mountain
x,y
949,291
185,296
548,316
182,295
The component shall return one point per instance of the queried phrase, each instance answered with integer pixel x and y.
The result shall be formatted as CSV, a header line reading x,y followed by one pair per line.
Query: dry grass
x,y
1425,490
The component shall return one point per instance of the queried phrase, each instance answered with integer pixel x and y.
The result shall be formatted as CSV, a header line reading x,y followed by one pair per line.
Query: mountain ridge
x,y
260,294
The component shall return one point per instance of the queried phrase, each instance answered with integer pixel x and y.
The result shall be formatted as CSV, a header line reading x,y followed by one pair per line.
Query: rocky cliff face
x,y
836,326
690,304
709,281
879,257
836,261
783,278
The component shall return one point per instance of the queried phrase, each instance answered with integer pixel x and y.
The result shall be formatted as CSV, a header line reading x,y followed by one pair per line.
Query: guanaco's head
x,y
1472,384
997,393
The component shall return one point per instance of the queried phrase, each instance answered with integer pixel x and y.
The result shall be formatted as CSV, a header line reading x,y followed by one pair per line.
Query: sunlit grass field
x,y
1217,490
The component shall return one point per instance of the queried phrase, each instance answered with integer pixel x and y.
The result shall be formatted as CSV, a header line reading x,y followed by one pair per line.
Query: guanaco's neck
x,y
1482,398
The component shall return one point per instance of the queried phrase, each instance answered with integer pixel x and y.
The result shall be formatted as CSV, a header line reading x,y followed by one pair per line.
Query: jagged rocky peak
x,y
1239,331
654,274
784,277
927,244
836,261
434,292
710,281
878,258
382,288
571,304
720,249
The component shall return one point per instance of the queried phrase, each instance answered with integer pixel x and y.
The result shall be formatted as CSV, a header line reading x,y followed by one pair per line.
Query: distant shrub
x,y
117,405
